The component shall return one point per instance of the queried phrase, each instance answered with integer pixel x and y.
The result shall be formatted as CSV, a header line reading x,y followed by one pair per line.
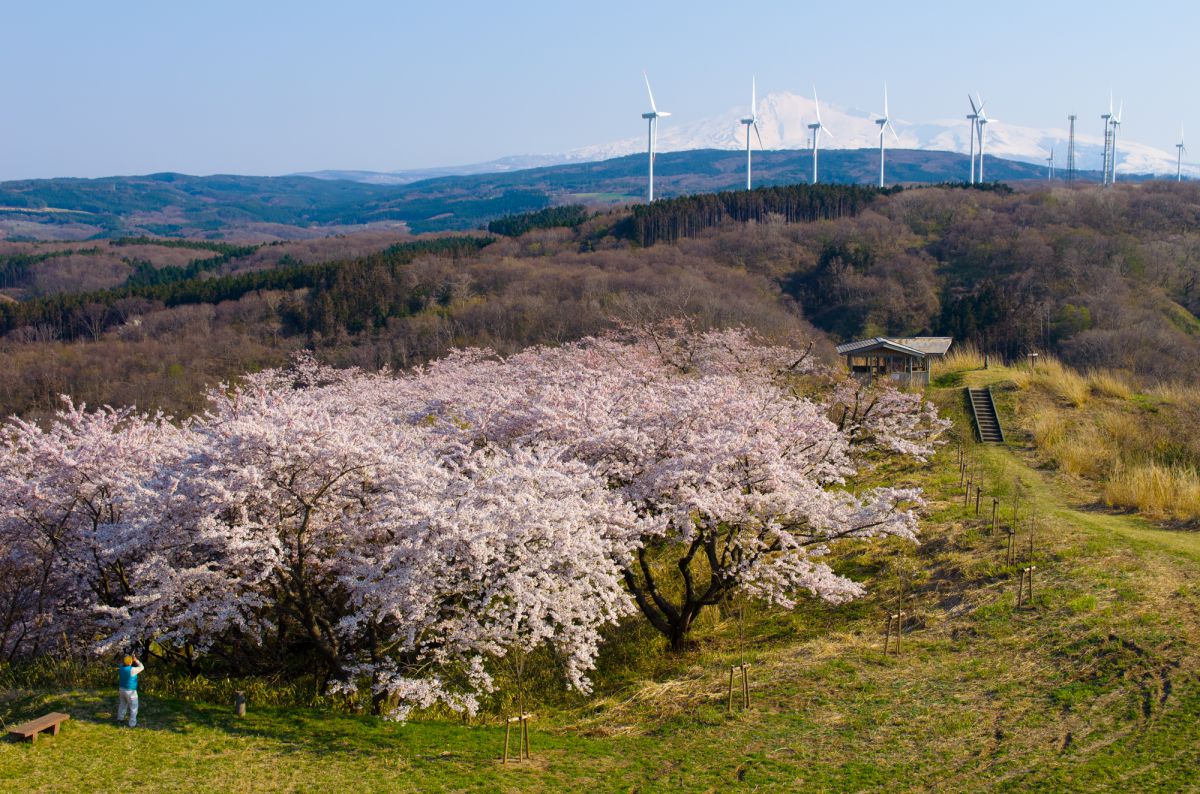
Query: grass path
x,y
1093,689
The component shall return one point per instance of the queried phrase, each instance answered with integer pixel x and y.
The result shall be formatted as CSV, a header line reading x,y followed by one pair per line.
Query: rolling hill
x,y
291,207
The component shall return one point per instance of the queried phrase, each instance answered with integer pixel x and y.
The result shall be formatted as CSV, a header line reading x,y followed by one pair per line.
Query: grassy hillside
x,y
1093,688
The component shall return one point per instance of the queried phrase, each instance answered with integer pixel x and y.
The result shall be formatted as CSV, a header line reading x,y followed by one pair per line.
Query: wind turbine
x,y
1116,126
751,121
1179,150
817,128
981,123
884,123
652,134
1050,166
973,118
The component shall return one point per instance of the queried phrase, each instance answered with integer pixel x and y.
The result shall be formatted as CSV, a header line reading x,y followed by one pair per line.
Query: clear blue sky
x,y
96,88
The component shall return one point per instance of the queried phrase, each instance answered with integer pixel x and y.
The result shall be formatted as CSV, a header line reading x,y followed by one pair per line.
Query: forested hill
x,y
1103,277
248,208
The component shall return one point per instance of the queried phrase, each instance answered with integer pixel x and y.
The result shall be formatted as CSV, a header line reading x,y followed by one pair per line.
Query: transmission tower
x,y
1071,151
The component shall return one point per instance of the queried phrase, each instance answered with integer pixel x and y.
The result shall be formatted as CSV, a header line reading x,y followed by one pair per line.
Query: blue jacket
x,y
128,676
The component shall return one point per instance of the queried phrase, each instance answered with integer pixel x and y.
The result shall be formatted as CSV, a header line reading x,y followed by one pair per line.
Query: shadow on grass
x,y
292,730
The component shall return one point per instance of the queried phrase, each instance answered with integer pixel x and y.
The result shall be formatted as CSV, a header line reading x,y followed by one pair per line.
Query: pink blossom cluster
x,y
403,532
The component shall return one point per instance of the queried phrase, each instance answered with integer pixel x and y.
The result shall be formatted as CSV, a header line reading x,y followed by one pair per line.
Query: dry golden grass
x,y
1176,393
1085,452
960,359
1062,381
1110,383
1171,492
1047,427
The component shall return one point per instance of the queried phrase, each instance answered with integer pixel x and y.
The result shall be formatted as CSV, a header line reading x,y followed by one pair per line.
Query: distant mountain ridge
x,y
265,208
783,121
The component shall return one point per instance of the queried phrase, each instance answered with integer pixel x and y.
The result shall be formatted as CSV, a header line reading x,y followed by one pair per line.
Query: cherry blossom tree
x,y
65,494
880,417
738,476
402,535
307,517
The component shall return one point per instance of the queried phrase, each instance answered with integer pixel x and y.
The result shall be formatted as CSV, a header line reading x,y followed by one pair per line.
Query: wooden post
x,y
898,619
733,669
522,721
995,507
239,703
1026,573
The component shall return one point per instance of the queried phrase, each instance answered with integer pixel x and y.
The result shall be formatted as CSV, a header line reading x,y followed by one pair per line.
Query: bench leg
x,y
33,737
55,729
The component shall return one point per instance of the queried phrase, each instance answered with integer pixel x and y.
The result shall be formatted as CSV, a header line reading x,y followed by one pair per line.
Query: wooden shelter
x,y
905,360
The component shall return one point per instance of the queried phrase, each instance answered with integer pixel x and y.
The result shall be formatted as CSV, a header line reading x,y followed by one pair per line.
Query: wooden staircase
x,y
987,421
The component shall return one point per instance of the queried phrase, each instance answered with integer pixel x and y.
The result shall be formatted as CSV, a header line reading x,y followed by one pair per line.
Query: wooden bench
x,y
31,729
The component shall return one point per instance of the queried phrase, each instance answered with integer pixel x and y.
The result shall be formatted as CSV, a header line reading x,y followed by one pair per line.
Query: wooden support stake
x,y
1026,573
744,668
522,721
978,496
995,506
967,494
898,619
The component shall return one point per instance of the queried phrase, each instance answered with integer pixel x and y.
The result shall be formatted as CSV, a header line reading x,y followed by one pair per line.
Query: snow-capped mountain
x,y
783,120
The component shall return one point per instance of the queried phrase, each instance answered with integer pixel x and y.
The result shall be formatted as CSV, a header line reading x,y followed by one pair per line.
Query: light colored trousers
x,y
128,703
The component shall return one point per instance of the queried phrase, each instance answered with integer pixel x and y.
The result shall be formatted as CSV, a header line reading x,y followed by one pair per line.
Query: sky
x,y
261,87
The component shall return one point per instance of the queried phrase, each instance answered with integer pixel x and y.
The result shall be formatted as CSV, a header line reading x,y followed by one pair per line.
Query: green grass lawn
x,y
1095,688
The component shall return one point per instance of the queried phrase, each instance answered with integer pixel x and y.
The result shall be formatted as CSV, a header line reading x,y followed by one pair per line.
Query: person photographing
x,y
127,678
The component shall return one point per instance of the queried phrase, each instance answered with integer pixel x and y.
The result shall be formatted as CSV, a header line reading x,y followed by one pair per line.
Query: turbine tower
x,y
1050,166
973,119
652,135
817,129
1179,150
885,123
751,121
981,123
1107,139
1112,157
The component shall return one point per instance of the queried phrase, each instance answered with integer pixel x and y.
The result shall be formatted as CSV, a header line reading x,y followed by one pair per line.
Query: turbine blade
x,y
885,104
759,135
817,104
1120,111
893,129
653,107
974,109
